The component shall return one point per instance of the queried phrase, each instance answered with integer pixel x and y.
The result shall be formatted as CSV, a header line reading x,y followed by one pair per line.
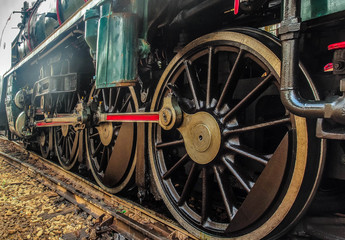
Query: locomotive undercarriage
x,y
204,128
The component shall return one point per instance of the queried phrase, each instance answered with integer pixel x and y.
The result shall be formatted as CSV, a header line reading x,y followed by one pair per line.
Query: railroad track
x,y
114,213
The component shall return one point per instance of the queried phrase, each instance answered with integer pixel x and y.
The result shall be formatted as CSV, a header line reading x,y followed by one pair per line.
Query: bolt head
x,y
165,116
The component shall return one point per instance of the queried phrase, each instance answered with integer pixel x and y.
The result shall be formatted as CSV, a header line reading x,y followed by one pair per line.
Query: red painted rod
x,y
44,124
133,117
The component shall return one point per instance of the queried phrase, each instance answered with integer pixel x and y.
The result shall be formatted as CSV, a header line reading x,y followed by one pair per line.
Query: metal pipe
x,y
290,96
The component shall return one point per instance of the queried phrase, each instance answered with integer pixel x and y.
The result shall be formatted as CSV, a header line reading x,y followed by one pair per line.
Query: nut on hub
x,y
170,115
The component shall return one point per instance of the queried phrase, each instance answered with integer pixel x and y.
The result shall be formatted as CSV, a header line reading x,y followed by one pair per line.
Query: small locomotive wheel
x,y
259,177
44,142
110,147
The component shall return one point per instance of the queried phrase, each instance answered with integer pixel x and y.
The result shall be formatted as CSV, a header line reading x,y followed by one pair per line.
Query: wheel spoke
x,y
69,138
192,83
245,184
205,200
257,126
72,130
66,149
110,99
98,148
103,156
63,144
106,106
209,74
116,98
229,80
224,194
60,139
75,144
94,135
188,187
178,164
247,153
126,103
260,88
169,144
69,147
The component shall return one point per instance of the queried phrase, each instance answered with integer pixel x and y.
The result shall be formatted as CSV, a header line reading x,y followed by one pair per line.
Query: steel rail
x,y
95,201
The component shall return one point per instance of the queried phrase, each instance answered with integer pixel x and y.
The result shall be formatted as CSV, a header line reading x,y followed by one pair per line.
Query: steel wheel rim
x,y
301,153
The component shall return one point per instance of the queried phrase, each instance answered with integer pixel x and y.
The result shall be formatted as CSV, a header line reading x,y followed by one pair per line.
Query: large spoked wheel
x,y
66,142
66,138
110,147
239,165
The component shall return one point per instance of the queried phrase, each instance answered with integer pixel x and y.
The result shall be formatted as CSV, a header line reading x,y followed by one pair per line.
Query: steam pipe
x,y
290,96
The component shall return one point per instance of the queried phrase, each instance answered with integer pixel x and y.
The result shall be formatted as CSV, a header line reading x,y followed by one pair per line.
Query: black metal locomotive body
x,y
191,101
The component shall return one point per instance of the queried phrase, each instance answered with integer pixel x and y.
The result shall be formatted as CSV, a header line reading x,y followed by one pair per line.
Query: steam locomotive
x,y
191,101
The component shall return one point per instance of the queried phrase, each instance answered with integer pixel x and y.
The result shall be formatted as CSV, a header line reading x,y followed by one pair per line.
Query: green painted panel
x,y
12,111
91,18
3,119
68,7
116,48
311,9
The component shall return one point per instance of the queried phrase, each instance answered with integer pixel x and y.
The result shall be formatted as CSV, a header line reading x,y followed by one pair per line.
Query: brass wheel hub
x,y
105,131
201,135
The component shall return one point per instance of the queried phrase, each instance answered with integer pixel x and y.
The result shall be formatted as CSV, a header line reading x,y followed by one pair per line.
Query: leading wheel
x,y
240,164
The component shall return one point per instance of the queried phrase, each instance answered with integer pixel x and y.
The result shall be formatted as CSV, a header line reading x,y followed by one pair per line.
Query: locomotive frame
x,y
190,101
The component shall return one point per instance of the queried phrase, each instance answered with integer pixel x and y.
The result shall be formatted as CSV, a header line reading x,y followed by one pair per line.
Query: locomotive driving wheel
x,y
238,164
66,138
66,146
110,147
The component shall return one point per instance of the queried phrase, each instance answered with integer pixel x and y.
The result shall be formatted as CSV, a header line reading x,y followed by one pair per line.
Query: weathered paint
x,y
116,47
311,9
12,111
91,18
3,85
